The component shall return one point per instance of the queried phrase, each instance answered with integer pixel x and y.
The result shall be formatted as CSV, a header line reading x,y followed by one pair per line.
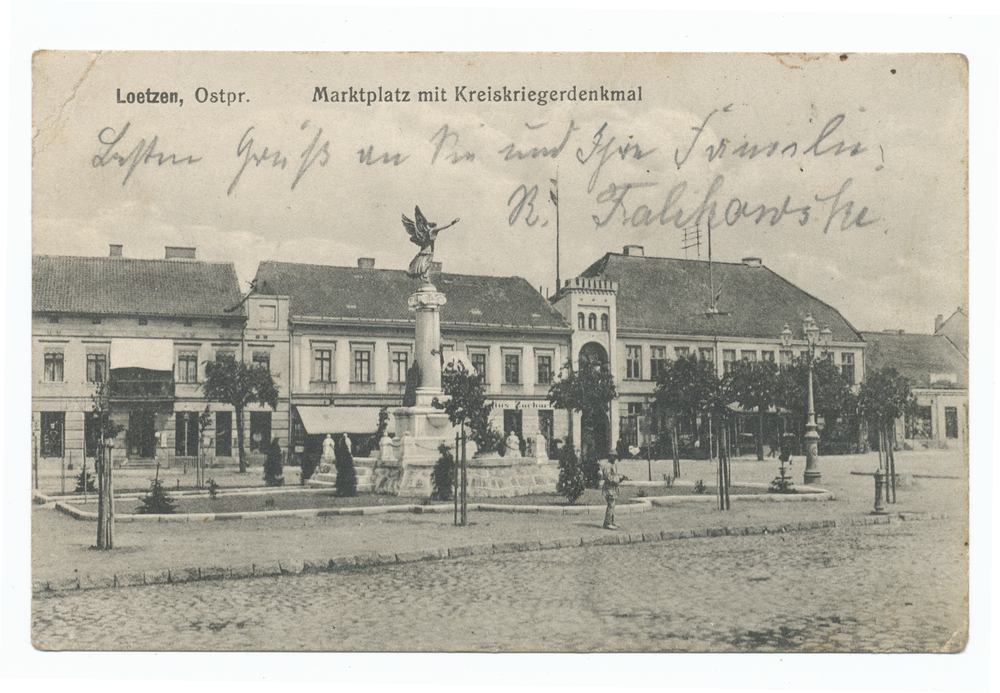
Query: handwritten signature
x,y
141,154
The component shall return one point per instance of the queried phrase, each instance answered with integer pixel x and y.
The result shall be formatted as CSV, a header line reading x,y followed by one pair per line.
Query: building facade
x,y
350,339
639,312
146,329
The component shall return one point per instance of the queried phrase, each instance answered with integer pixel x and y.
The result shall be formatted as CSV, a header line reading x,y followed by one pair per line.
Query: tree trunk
x,y
239,441
105,502
760,434
676,448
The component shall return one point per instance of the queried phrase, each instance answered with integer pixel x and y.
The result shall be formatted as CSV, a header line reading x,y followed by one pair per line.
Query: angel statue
x,y
422,233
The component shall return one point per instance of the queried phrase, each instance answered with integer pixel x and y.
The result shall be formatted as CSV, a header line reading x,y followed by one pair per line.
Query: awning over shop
x,y
151,354
321,420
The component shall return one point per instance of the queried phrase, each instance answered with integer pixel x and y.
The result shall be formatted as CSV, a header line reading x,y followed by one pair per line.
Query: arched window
x,y
592,322
604,323
580,321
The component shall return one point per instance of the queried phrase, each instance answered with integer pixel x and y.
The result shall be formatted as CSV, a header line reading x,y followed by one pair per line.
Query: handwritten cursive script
x,y
141,154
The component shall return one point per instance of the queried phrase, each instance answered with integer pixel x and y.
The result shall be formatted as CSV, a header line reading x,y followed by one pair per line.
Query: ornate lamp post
x,y
814,337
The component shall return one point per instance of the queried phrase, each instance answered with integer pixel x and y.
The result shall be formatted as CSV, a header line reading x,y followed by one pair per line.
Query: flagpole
x,y
711,278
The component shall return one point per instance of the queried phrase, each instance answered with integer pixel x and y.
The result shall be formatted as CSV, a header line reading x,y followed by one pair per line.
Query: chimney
x,y
938,321
633,250
116,251
366,263
177,253
436,267
752,262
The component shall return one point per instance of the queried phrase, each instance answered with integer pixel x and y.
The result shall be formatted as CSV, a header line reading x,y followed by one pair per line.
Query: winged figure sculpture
x,y
422,233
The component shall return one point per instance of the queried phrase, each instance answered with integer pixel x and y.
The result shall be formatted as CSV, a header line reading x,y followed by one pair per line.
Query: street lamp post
x,y
813,337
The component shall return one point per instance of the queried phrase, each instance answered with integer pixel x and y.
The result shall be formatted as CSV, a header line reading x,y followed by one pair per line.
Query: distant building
x,y
148,328
939,373
956,329
351,344
638,312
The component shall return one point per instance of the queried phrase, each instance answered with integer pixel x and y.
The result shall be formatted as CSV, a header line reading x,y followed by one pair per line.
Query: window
x,y
785,359
478,359
592,322
918,423
951,422
97,368
681,351
52,428
187,368
728,359
628,423
400,363
225,355
604,322
143,321
95,321
91,434
581,321
260,431
633,362
262,358
362,366
847,366
657,361
323,365
544,369
53,367
706,353
748,355
512,369
767,356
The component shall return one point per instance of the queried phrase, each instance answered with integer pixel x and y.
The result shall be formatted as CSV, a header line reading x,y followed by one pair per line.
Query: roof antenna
x,y
713,295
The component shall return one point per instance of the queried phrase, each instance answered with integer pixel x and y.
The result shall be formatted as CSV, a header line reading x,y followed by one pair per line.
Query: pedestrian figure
x,y
610,488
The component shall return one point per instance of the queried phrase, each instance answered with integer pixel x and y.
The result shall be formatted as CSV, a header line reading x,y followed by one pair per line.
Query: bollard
x,y
879,487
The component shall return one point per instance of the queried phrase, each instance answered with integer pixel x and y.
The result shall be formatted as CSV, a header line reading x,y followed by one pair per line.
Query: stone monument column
x,y
426,303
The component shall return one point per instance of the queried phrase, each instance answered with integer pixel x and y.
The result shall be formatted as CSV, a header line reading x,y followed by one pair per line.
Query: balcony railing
x,y
128,390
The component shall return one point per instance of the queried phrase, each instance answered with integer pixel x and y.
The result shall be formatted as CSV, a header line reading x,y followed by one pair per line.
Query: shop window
x,y
260,431
633,362
951,422
657,361
186,434
918,424
53,426
187,368
847,366
53,367
323,365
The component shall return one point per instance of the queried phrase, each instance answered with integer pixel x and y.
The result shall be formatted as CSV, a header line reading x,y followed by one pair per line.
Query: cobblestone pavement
x,y
886,588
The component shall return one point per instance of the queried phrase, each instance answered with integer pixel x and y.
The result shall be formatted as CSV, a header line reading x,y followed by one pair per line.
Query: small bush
x,y
90,487
156,502
592,475
308,462
699,486
571,478
443,475
213,490
347,478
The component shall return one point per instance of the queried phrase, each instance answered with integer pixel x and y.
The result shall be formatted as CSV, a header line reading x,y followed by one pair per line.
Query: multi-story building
x,y
939,377
351,335
147,328
638,312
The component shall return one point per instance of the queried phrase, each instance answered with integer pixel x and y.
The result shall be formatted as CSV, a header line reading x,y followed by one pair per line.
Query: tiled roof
x,y
350,293
917,356
127,286
670,296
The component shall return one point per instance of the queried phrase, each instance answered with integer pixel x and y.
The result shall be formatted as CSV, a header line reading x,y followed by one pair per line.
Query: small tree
x,y
688,386
467,405
237,384
443,476
753,385
272,466
884,397
347,479
571,482
85,485
832,395
105,430
590,391
156,502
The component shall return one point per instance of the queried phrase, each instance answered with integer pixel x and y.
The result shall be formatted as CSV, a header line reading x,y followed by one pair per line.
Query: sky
x,y
846,175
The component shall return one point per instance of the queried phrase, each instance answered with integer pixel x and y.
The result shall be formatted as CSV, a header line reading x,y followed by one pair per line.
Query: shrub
x,y
443,474
347,479
699,486
592,471
156,502
308,462
571,477
213,490
272,465
90,488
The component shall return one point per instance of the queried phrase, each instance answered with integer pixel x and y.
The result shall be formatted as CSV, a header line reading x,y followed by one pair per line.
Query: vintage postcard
x,y
500,352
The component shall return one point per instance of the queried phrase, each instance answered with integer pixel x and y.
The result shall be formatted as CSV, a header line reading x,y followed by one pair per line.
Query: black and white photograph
x,y
557,352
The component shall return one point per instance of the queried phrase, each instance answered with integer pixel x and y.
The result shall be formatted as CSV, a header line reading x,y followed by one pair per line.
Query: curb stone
x,y
372,559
